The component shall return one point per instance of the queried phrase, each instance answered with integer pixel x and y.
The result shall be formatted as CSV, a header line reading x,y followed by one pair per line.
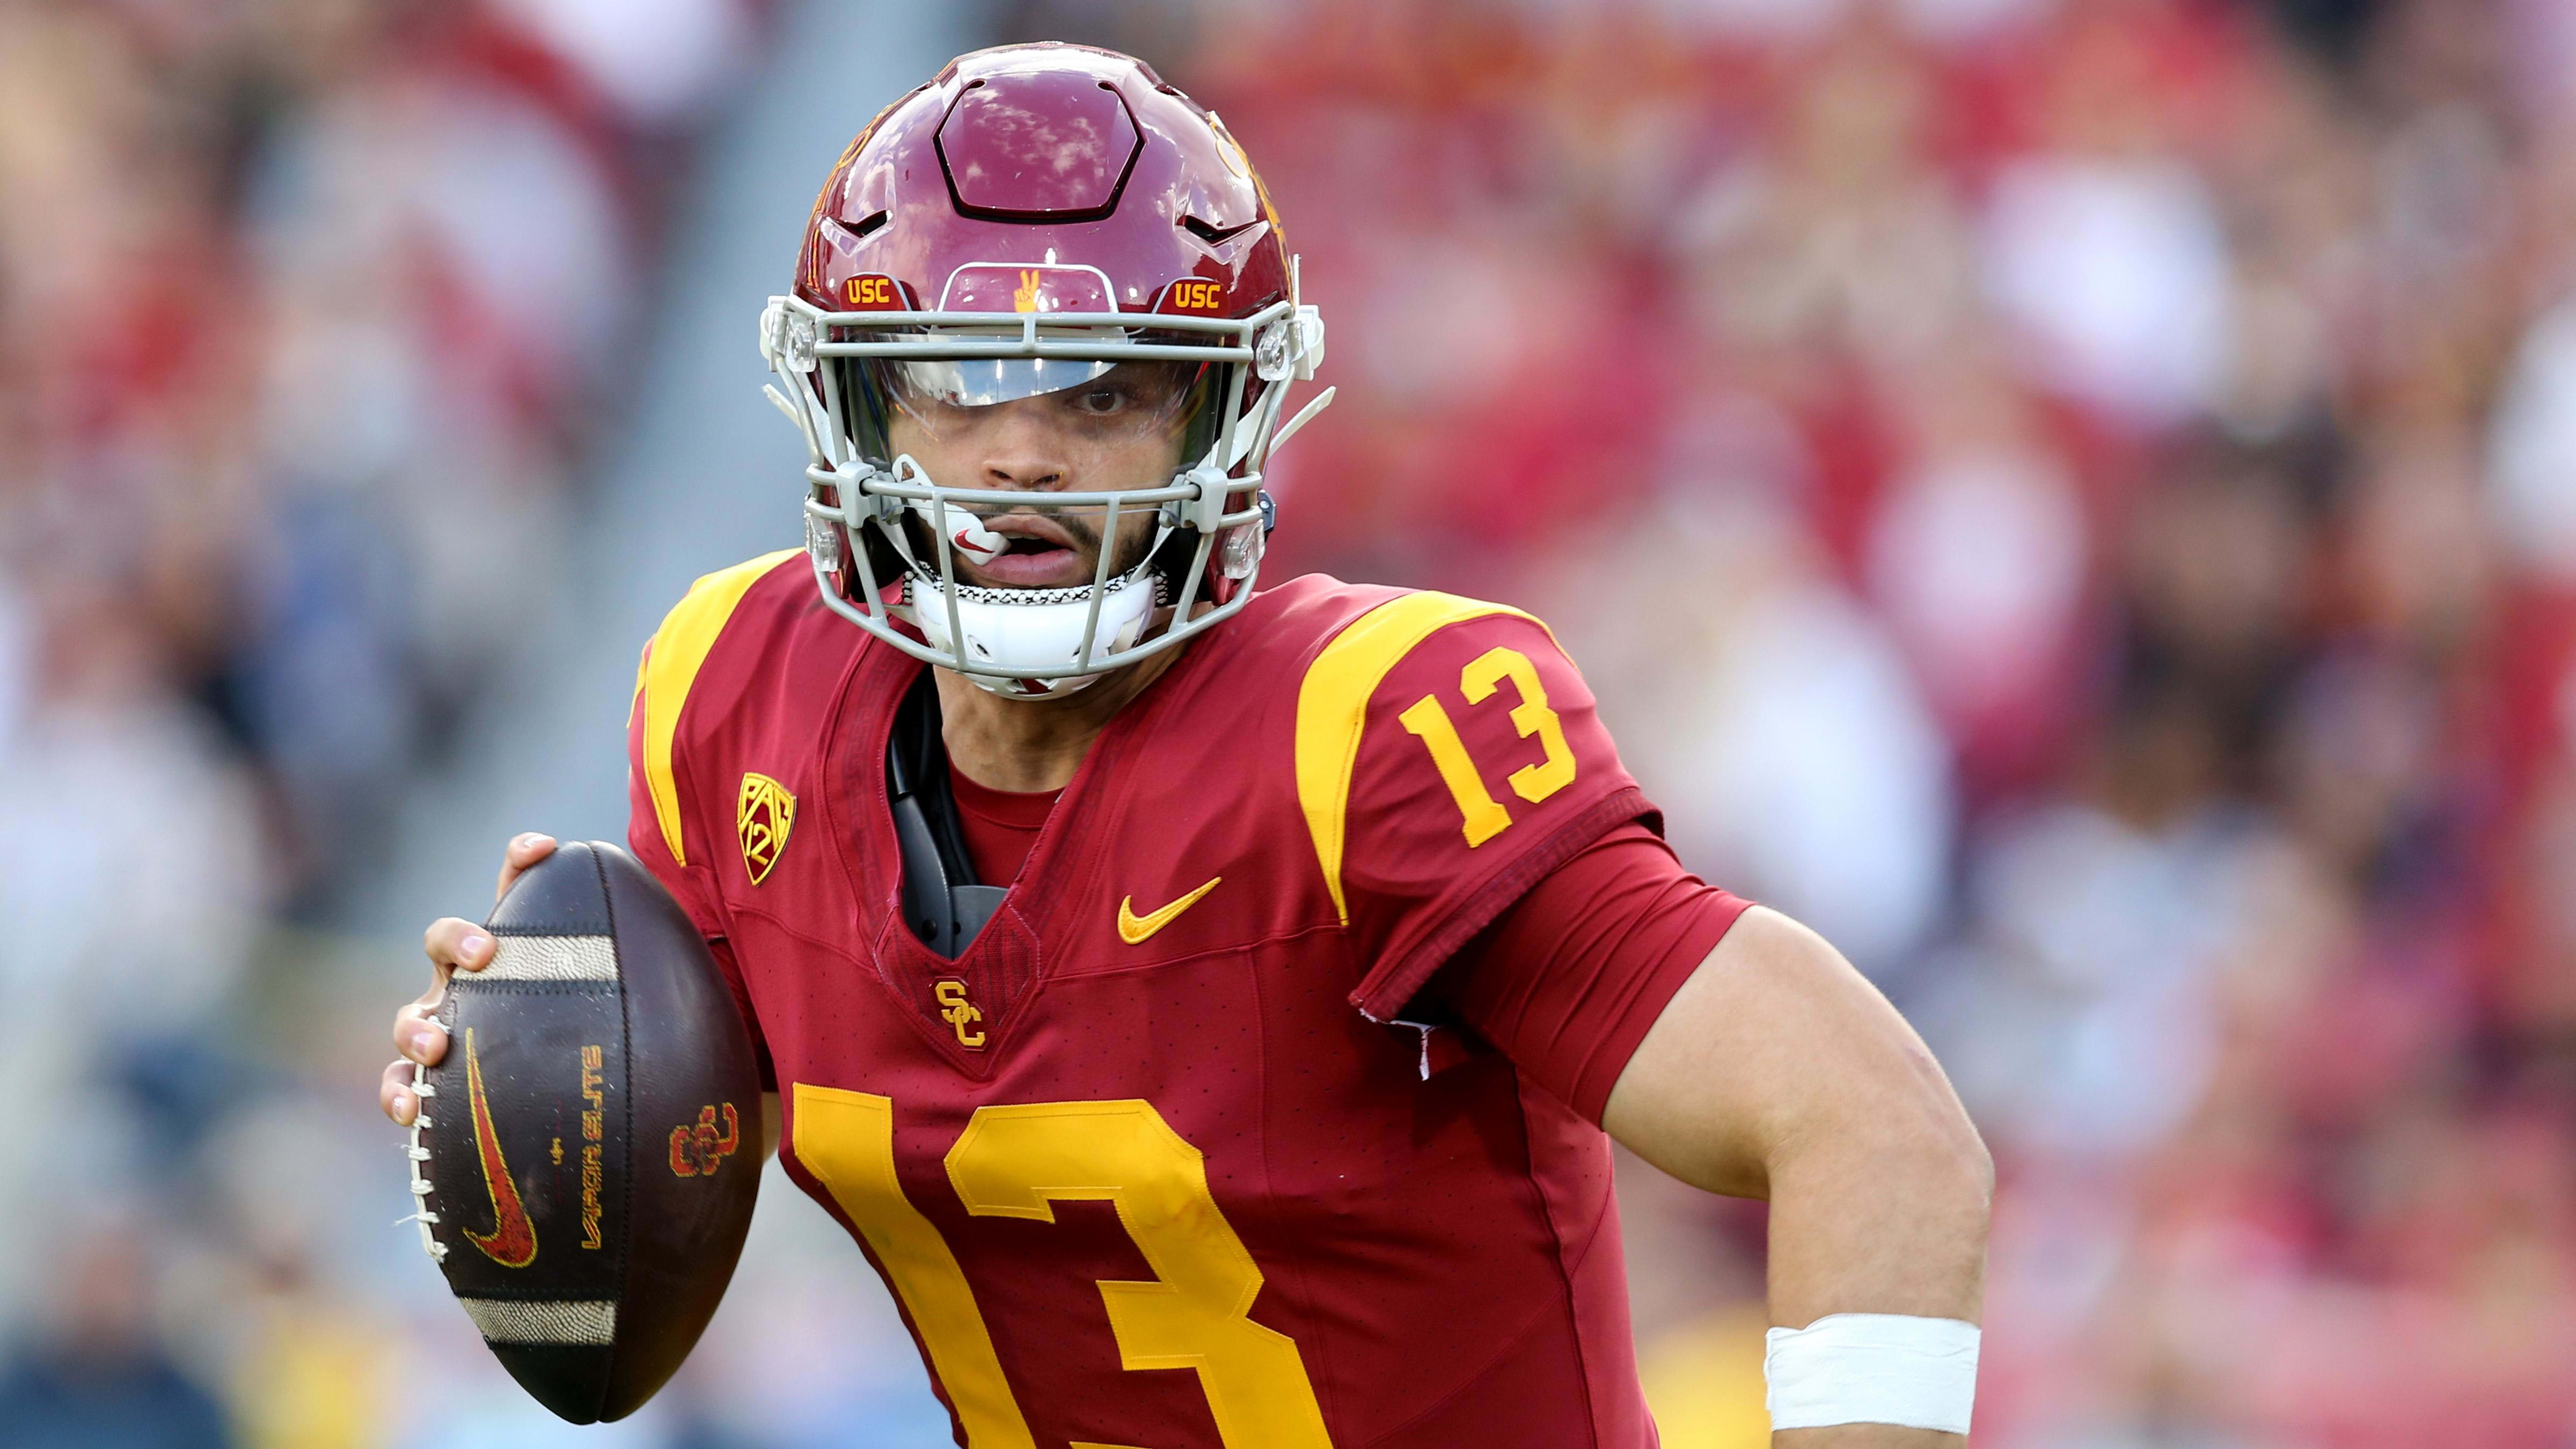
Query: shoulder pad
x,y
670,665
1332,708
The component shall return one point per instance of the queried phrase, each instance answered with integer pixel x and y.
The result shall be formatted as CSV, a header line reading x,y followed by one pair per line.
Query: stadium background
x,y
2076,498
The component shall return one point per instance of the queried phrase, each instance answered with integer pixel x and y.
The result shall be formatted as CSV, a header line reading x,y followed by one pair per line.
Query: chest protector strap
x,y
942,901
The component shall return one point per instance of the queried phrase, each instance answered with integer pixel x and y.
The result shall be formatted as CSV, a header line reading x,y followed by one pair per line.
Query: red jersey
x,y
1139,1127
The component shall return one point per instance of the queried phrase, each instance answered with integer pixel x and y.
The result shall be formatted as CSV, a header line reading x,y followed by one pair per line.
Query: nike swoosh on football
x,y
512,1243
1133,928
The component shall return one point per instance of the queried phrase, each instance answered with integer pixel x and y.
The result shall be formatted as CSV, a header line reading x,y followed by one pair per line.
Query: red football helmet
x,y
1036,219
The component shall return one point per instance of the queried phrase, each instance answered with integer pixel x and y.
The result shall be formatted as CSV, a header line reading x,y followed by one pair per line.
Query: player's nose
x,y
1023,450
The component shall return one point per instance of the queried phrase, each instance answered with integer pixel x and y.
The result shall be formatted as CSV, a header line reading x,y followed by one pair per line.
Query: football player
x,y
1210,1006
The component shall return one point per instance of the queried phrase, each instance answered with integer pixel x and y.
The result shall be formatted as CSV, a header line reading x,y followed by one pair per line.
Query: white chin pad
x,y
1003,639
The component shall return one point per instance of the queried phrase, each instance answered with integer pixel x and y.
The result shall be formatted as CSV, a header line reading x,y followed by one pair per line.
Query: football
x,y
588,1149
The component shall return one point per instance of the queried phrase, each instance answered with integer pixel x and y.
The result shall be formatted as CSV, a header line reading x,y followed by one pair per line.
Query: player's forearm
x,y
1890,1219
1779,1072
1865,1436
1881,1210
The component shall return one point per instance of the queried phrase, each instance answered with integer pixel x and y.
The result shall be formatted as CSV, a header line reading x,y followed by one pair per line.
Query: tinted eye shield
x,y
1102,403
1056,349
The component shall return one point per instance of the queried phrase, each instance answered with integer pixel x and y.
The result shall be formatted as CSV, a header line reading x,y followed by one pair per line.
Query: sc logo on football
x,y
699,1148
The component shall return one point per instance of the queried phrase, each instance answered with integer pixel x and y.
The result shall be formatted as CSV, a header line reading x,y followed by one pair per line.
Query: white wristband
x,y
1872,1368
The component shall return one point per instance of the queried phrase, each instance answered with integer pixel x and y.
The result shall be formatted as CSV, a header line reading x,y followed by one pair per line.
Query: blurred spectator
x,y
2534,450
659,63
1979,557
305,310
1775,723
99,1379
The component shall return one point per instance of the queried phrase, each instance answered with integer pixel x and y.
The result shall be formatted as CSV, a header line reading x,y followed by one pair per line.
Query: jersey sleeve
x,y
1571,977
1448,757
693,886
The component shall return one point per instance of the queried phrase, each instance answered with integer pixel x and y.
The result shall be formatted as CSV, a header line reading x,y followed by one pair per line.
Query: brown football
x,y
589,1147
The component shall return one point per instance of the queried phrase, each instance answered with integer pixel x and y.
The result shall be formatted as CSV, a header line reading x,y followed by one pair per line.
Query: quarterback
x,y
1209,1002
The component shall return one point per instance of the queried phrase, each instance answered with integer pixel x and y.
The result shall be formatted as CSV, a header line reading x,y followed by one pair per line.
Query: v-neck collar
x,y
859,812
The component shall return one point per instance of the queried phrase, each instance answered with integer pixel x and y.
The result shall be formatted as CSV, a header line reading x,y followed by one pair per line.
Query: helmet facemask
x,y
1158,427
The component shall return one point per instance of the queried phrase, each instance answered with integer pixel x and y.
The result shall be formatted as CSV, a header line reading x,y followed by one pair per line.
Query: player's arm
x,y
1735,1049
1777,1071
1507,873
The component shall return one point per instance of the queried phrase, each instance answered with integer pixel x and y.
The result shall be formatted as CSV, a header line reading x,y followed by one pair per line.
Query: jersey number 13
x,y
1014,1161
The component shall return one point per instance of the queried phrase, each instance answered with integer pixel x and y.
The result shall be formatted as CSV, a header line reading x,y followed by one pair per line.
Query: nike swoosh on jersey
x,y
1133,928
512,1243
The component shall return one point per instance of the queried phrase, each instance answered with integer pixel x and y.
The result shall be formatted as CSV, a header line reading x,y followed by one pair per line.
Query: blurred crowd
x,y
305,307
2075,498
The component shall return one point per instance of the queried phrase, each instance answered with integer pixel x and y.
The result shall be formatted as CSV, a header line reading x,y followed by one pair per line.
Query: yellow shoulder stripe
x,y
1332,708
670,665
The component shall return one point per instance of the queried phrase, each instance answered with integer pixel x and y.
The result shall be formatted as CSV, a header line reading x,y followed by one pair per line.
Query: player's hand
x,y
453,945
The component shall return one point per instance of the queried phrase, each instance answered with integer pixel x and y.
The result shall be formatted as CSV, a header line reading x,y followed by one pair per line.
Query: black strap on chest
x,y
942,901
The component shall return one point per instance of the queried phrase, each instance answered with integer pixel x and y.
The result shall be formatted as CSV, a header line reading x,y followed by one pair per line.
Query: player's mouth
x,y
1038,552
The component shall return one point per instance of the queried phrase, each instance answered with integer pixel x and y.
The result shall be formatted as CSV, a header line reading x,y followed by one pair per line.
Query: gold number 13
x,y
1481,815
1014,1162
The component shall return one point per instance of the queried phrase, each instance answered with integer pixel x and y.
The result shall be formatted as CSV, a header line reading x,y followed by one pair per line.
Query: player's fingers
x,y
524,851
454,943
418,1037
395,1095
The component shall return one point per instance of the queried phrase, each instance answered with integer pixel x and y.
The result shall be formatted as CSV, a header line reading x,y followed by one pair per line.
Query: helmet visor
x,y
1098,400
984,381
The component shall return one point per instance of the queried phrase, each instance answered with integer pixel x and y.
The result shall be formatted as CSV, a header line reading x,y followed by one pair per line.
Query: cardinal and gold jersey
x,y
1156,1161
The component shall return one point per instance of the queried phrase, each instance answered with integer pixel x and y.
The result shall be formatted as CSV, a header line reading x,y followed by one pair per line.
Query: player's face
x,y
1122,429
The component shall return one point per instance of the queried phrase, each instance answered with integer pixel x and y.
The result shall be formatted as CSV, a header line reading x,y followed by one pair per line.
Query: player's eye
x,y
1101,402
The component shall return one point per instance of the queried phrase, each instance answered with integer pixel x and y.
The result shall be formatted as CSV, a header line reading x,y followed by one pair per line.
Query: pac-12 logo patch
x,y
762,817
